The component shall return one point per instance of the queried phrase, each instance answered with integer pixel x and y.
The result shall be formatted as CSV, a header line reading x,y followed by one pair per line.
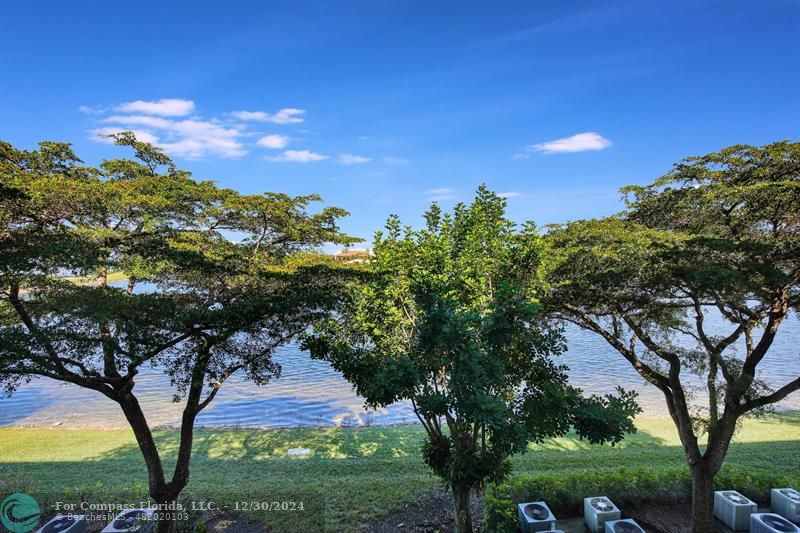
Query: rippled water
x,y
311,393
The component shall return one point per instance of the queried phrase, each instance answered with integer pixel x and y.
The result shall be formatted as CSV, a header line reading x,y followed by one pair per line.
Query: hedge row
x,y
564,491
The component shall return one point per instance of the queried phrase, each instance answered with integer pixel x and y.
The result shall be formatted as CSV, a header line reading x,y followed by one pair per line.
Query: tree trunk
x,y
463,516
159,490
167,514
702,498
147,445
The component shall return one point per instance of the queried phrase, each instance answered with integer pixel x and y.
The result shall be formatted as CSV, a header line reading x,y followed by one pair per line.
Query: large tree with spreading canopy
x,y
214,282
691,285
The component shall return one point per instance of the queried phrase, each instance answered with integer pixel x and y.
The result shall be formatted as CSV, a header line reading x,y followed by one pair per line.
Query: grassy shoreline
x,y
354,475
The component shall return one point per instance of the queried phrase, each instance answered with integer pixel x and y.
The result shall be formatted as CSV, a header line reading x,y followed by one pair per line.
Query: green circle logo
x,y
19,513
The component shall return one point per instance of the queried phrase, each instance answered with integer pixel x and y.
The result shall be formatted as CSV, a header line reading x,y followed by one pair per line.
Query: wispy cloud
x,y
441,194
165,123
190,138
287,115
510,194
92,110
140,120
352,159
102,135
517,157
274,141
580,142
166,107
298,156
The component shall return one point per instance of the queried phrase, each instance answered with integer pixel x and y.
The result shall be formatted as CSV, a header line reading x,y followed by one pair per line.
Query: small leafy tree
x,y
450,322
212,305
716,240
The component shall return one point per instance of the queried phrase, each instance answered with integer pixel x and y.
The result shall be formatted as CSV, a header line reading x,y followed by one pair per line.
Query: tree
x,y
450,322
216,281
717,239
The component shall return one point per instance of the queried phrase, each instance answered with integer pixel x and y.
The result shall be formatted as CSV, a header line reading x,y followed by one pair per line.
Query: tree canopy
x,y
214,282
715,240
450,321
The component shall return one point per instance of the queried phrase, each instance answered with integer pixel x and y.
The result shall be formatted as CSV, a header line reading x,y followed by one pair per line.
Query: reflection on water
x,y
311,393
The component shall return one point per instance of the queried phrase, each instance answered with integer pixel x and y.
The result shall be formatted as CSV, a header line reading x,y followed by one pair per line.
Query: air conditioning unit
x,y
535,516
132,521
73,523
771,523
786,502
627,525
597,510
733,509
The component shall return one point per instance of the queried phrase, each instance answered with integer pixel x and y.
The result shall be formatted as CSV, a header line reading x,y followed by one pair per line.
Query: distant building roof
x,y
352,254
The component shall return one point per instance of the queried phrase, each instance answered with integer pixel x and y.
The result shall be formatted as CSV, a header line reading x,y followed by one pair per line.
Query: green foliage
x,y
150,221
718,234
716,239
450,320
564,491
216,281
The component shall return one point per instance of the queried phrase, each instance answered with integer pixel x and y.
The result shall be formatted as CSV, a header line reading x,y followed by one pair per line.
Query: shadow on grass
x,y
351,475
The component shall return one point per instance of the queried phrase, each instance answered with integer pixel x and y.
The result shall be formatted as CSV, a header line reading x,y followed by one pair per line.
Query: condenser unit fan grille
x,y
778,524
736,498
537,512
791,494
130,520
626,527
601,504
59,524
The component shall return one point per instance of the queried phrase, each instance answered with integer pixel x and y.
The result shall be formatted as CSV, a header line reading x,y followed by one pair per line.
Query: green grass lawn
x,y
354,474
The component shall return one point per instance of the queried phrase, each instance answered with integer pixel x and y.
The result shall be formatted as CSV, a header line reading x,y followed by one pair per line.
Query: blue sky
x,y
383,106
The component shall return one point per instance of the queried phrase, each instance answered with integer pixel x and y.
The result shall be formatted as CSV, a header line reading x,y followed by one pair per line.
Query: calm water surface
x,y
311,393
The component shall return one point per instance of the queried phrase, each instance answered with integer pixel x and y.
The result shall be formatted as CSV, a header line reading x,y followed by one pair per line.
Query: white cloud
x,y
352,159
166,107
510,194
171,124
191,138
298,156
287,115
102,135
441,194
580,142
274,141
92,110
521,156
140,120
390,160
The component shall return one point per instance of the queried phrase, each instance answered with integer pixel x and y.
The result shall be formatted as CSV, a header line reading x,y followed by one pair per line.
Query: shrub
x,y
564,492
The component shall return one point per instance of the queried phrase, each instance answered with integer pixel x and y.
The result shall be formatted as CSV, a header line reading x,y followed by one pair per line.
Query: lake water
x,y
311,393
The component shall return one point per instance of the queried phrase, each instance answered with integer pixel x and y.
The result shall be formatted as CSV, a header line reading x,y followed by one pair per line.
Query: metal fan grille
x,y
791,494
130,519
736,498
778,524
60,524
601,504
536,511
627,527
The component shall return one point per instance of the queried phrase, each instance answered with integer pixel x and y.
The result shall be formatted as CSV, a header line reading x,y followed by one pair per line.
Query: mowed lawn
x,y
350,477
